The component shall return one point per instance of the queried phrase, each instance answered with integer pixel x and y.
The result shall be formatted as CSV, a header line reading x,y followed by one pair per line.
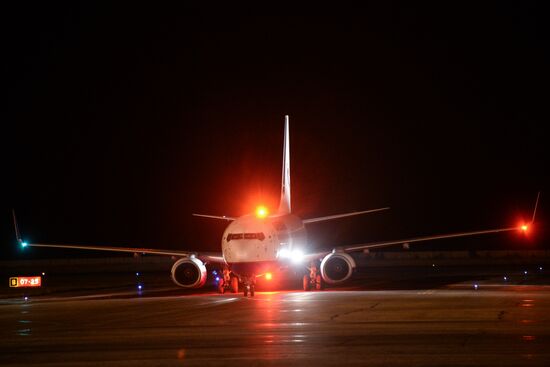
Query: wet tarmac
x,y
426,317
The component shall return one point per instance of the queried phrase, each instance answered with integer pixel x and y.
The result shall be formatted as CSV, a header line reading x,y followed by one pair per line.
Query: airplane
x,y
258,244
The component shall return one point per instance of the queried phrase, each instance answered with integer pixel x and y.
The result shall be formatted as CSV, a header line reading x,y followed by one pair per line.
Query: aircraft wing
x,y
211,257
406,242
338,216
223,217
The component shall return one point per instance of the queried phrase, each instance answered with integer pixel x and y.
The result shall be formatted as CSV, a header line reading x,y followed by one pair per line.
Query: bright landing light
x,y
261,211
297,256
284,253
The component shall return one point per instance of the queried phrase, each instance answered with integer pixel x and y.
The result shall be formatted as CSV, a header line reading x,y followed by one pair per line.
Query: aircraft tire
x,y
319,283
306,283
235,284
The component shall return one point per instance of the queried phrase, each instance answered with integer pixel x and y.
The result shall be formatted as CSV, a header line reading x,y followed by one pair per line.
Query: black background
x,y
122,120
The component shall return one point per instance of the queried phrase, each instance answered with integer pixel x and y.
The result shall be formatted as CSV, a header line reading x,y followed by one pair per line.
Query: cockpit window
x,y
247,236
254,236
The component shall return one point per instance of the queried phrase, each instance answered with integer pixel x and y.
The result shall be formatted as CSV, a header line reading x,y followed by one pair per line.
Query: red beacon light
x,y
524,228
268,276
261,212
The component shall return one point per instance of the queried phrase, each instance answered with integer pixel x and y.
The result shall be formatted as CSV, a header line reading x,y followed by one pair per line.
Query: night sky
x,y
120,122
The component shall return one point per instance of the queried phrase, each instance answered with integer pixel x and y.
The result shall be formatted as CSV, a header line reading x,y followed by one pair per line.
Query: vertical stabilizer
x,y
284,205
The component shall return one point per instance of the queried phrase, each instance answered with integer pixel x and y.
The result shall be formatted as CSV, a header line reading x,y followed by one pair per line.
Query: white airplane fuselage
x,y
253,245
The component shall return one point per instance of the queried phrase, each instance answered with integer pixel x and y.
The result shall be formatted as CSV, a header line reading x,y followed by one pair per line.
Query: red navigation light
x,y
261,212
524,227
268,276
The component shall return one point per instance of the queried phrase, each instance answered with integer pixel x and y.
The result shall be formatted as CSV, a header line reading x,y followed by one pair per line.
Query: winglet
x,y
535,209
17,234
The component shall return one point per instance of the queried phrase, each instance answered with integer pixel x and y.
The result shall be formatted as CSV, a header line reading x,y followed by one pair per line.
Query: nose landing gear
x,y
249,285
228,282
249,289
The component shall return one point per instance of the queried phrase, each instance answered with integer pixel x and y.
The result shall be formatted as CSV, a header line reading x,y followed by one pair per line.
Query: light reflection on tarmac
x,y
443,326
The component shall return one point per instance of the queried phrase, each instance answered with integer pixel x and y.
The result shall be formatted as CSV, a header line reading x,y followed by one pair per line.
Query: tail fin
x,y
284,205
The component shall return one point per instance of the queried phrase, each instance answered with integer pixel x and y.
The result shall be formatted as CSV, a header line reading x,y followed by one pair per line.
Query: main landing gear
x,y
313,280
235,284
228,282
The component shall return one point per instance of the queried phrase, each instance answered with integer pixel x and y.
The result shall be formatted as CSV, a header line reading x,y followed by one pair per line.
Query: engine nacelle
x,y
337,267
189,272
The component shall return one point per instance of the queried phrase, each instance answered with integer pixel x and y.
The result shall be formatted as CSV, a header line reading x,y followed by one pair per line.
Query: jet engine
x,y
337,267
189,272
